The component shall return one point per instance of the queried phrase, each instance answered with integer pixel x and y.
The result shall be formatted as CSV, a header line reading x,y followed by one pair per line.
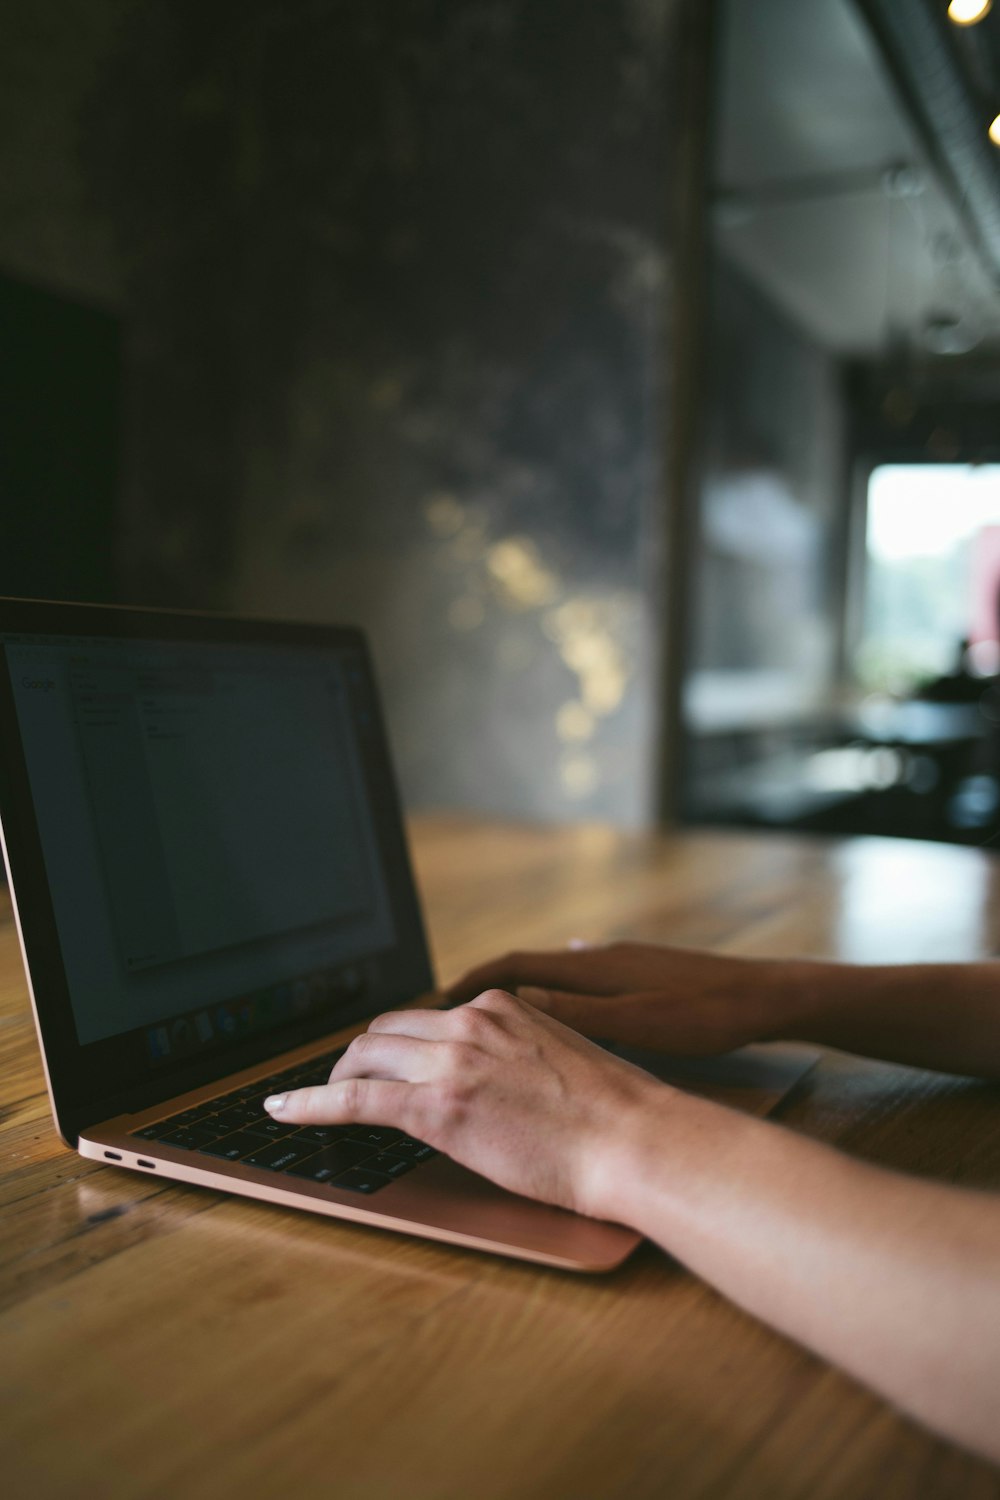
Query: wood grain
x,y
160,1341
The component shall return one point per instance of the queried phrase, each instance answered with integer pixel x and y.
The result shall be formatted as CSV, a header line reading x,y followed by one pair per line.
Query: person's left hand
x,y
500,1087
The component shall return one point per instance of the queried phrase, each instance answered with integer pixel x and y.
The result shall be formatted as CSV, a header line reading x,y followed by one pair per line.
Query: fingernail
x,y
532,994
275,1104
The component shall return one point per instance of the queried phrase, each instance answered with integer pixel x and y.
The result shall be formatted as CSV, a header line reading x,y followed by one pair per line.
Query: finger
x,y
619,1018
381,1054
582,1012
587,971
363,1101
431,1025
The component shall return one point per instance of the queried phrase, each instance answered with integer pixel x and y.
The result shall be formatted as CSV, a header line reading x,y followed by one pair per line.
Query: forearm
x,y
896,1281
942,1016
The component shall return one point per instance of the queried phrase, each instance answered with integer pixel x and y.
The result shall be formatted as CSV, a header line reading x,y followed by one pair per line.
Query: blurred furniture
x,y
916,768
919,724
163,1341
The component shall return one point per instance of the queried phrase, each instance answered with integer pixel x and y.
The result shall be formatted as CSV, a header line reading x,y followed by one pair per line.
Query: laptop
x,y
213,894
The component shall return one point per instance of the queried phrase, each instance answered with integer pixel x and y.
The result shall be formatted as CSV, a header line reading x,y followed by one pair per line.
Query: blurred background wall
x,y
391,283
614,362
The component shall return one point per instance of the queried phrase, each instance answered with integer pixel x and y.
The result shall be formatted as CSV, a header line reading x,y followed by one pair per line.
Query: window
x,y
932,581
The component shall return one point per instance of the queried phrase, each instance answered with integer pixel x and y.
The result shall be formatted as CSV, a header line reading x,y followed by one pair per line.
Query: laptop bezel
x,y
88,1084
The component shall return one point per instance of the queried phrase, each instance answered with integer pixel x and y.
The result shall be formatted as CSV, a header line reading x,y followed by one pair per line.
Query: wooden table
x,y
164,1341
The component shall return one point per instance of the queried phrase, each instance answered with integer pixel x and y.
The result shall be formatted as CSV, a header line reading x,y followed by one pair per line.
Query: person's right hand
x,y
505,1091
673,999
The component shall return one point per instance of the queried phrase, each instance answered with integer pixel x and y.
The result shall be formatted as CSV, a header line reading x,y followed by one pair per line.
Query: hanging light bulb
x,y
968,12
995,131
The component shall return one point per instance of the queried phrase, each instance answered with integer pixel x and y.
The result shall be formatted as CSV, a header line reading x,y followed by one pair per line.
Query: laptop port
x,y
113,1155
150,1164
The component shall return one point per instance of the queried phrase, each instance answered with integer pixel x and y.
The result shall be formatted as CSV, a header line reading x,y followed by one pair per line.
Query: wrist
x,y
615,1167
801,995
669,1159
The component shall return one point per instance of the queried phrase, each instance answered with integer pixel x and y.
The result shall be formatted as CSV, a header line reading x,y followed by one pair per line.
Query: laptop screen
x,y
208,818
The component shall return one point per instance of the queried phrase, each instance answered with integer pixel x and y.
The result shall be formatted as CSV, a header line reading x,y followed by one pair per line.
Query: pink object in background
x,y
985,603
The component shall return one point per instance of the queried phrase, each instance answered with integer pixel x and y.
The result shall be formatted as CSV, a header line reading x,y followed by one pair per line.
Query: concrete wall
x,y
396,289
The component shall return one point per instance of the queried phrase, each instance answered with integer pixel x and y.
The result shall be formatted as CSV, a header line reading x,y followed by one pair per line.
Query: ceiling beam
x,y
916,44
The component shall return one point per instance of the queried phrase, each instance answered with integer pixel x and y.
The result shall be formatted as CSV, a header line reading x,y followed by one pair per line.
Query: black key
x,y
236,1097
280,1154
245,1092
307,1074
392,1166
232,1147
277,1085
375,1135
316,1169
266,1126
324,1135
361,1180
333,1160
312,1065
326,1060
191,1137
254,1093
260,1127
213,1107
222,1119
315,1078
255,1102
412,1150
239,1114
151,1132
190,1116
348,1154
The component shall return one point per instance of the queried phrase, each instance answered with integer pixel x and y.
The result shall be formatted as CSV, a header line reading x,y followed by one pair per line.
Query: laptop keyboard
x,y
235,1127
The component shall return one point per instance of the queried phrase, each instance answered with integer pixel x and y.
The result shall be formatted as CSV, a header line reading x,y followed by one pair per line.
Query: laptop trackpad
x,y
754,1079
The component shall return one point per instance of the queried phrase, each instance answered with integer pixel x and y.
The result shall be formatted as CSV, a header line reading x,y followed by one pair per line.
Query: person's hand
x,y
674,999
502,1089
